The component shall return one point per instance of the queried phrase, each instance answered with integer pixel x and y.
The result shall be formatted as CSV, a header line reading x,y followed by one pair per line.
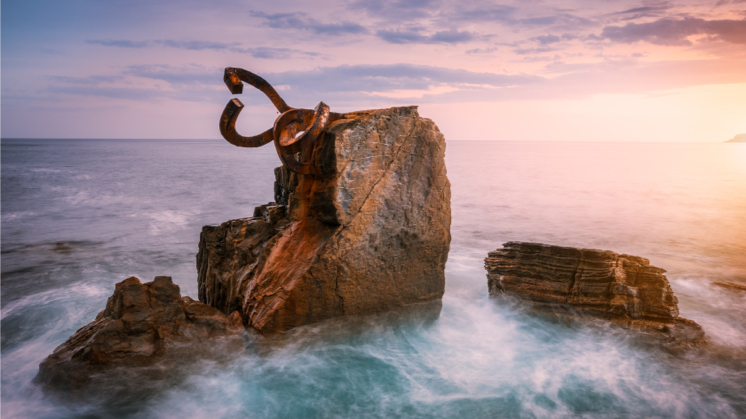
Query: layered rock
x,y
142,324
624,289
371,233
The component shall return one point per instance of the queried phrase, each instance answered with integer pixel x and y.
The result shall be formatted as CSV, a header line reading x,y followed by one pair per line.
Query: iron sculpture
x,y
294,131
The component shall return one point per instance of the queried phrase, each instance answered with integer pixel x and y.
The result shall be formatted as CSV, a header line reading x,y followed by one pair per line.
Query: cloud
x,y
256,52
508,15
197,45
393,77
640,12
675,32
546,39
302,21
562,21
275,53
527,51
499,13
90,80
185,75
481,50
398,10
192,83
415,37
724,2
121,43
356,85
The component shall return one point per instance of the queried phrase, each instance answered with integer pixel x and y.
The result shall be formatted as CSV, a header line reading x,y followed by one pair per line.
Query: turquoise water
x,y
79,216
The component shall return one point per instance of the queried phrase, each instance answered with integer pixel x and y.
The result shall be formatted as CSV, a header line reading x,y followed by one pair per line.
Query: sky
x,y
531,70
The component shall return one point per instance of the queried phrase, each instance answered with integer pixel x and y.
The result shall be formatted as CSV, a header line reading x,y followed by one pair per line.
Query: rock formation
x,y
371,233
142,323
624,289
740,138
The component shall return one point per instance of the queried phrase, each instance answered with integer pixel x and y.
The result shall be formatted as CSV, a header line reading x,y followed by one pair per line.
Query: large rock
x,y
371,233
142,324
624,289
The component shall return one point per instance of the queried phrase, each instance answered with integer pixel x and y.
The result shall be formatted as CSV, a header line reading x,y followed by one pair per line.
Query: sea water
x,y
79,216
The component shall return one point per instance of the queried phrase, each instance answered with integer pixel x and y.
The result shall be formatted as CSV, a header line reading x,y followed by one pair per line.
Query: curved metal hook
x,y
234,76
228,128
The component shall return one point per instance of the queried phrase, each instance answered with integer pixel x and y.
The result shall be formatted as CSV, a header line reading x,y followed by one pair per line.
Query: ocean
x,y
79,216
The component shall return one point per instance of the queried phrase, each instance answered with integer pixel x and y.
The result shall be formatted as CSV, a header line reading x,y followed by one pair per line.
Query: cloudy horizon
x,y
519,71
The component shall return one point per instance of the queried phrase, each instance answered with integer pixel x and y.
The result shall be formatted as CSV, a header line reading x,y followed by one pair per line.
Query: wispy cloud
x,y
301,21
349,83
399,10
197,45
90,80
528,51
646,11
189,75
546,39
121,43
416,37
276,53
489,50
674,32
339,85
256,52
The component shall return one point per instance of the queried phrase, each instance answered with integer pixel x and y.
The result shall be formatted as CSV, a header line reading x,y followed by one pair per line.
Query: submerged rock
x,y
142,324
623,289
740,138
370,234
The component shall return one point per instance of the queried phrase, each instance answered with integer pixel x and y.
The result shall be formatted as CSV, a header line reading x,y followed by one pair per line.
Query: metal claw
x,y
228,128
294,131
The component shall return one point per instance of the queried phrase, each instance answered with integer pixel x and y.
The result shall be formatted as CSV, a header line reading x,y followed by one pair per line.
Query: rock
x,y
142,324
370,234
623,289
740,138
730,285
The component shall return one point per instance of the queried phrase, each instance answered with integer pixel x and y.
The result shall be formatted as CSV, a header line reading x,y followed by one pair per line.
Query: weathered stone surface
x,y
624,289
370,234
141,324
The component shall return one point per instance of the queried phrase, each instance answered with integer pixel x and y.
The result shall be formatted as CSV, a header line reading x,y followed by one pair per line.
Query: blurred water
x,y
79,216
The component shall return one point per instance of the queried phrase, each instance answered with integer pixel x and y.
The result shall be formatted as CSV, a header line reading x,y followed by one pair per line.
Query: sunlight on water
x,y
79,216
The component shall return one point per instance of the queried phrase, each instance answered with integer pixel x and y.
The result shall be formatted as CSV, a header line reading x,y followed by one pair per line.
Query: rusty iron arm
x,y
294,131
234,76
228,128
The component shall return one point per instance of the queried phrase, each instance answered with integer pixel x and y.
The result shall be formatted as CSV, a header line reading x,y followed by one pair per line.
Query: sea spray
x,y
680,205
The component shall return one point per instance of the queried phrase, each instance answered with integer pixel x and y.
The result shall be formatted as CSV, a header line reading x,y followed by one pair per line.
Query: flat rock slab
x,y
370,234
623,289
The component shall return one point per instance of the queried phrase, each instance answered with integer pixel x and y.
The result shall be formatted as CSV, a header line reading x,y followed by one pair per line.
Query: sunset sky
x,y
563,70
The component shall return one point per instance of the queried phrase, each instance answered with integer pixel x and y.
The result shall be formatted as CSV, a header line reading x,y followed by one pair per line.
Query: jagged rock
x,y
371,233
142,324
624,289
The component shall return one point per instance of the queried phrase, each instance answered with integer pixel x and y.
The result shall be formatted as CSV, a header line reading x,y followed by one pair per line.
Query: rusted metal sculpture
x,y
294,132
